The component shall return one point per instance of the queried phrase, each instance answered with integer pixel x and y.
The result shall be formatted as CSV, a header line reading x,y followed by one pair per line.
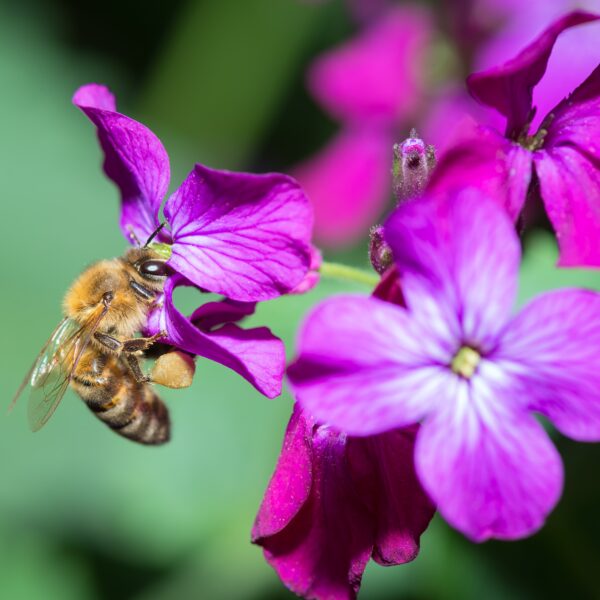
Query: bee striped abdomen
x,y
130,408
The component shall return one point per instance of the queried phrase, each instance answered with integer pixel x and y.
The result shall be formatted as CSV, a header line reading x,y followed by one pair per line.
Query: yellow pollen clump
x,y
465,362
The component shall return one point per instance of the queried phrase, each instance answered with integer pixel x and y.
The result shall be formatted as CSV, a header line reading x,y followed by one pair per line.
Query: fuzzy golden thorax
x,y
132,281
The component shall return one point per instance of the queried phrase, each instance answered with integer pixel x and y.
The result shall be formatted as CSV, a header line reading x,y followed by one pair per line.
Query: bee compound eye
x,y
156,268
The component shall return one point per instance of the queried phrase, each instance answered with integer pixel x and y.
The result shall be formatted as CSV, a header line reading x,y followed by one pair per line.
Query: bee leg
x,y
141,344
127,346
107,340
135,368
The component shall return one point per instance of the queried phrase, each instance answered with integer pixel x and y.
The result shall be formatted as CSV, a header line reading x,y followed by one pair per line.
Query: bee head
x,y
149,265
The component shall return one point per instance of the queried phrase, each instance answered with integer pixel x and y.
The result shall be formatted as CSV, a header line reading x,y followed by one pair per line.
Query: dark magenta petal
x,y
213,314
576,120
570,187
291,482
321,550
241,235
509,87
569,172
134,159
378,76
486,160
383,468
256,354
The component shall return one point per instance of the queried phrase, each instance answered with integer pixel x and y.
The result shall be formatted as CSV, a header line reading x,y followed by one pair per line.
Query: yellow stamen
x,y
465,362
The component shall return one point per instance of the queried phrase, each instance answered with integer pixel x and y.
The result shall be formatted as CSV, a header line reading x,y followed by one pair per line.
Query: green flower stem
x,y
337,271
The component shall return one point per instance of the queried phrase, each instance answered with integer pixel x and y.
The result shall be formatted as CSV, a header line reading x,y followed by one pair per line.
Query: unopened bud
x,y
173,370
379,251
413,163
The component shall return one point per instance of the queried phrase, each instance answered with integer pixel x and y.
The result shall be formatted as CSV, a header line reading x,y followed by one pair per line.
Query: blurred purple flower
x,y
564,152
244,236
371,84
455,359
334,502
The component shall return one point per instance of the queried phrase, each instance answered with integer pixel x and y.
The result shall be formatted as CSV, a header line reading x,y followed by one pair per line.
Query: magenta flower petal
x,y
333,501
484,159
348,183
134,159
458,257
241,235
291,483
212,314
576,120
312,278
384,473
509,88
324,550
256,354
569,174
570,186
553,347
491,468
358,366
378,76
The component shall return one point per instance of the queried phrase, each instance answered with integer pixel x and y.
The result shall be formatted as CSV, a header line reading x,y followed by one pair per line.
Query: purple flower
x,y
370,84
246,237
563,153
456,360
334,502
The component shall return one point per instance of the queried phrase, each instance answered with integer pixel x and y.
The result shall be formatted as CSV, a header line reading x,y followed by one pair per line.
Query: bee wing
x,y
51,373
42,362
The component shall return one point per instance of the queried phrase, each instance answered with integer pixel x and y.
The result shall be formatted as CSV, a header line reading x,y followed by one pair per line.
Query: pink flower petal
x,y
134,159
378,76
576,120
458,258
241,235
256,354
348,183
484,159
570,187
553,347
324,550
365,366
291,483
509,88
489,466
383,470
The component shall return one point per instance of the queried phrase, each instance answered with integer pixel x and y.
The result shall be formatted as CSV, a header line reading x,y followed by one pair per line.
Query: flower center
x,y
465,362
536,141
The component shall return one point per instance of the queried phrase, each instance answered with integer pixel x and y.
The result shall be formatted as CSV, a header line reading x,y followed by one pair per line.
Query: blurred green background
x,y
85,514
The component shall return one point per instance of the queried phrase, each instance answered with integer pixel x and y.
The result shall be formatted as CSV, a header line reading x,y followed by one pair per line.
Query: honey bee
x,y
93,349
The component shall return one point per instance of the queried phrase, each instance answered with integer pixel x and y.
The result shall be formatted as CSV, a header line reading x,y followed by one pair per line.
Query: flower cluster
x,y
426,393
436,356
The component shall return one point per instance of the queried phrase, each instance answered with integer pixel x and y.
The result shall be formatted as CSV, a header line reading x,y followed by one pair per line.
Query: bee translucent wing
x,y
51,373
49,385
43,358
50,376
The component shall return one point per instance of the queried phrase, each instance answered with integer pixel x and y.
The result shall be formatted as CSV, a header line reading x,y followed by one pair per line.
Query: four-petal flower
x,y
456,360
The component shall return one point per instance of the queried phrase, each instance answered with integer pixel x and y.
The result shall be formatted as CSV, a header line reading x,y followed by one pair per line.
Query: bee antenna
x,y
154,234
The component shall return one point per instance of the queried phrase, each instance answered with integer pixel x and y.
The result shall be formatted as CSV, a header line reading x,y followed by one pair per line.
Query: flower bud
x,y
413,163
379,252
